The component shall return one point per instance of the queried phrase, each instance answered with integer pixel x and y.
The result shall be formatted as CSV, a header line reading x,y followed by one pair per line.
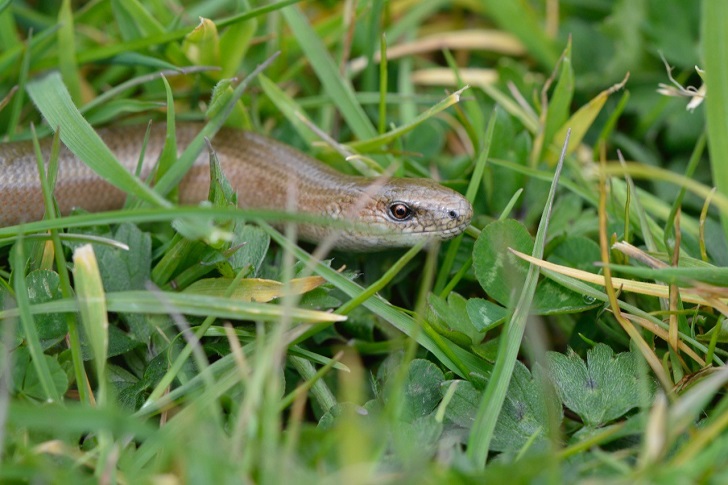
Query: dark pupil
x,y
400,211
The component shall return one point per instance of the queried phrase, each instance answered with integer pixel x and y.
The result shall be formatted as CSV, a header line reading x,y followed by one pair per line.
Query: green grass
x,y
200,344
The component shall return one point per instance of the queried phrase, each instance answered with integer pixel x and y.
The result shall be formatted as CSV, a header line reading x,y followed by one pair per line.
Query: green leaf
x,y
577,252
43,286
501,274
188,304
721,329
455,358
336,86
521,19
127,270
416,440
45,382
421,389
454,314
25,376
524,418
484,314
463,405
252,243
603,388
202,45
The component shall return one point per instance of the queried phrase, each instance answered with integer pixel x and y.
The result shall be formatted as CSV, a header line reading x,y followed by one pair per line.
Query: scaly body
x,y
266,174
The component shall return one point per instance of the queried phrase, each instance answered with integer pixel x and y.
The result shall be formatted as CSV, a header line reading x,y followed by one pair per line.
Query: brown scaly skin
x,y
383,213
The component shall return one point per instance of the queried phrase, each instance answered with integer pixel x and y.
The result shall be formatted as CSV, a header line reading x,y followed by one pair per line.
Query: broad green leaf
x,y
463,405
43,286
416,440
127,270
454,315
45,382
421,391
485,314
251,244
25,376
603,388
525,414
501,274
577,252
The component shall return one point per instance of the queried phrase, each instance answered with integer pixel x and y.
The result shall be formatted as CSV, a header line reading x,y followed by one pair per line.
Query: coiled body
x,y
265,174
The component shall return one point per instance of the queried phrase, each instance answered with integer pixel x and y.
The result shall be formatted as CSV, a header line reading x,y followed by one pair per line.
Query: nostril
x,y
453,214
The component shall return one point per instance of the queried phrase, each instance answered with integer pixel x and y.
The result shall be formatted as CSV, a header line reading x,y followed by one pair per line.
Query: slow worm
x,y
266,174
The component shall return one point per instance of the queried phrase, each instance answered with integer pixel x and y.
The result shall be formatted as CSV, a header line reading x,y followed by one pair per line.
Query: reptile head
x,y
403,212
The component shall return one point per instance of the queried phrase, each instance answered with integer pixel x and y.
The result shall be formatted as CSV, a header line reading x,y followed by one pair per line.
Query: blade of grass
x,y
177,172
472,192
90,295
695,158
47,183
92,307
390,136
29,327
67,52
156,40
457,359
19,98
340,90
520,19
42,40
510,341
188,304
715,53
383,74
289,107
53,100
78,419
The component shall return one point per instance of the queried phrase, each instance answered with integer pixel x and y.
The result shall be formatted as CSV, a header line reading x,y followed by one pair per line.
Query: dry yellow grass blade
x,y
480,40
661,333
443,76
650,289
255,289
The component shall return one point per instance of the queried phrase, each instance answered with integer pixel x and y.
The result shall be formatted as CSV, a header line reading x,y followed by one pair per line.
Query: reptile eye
x,y
400,211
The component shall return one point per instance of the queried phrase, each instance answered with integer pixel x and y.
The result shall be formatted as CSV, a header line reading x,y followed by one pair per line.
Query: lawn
x,y
574,332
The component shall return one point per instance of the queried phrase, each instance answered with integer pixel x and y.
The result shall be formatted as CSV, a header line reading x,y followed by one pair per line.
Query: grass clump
x,y
575,332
